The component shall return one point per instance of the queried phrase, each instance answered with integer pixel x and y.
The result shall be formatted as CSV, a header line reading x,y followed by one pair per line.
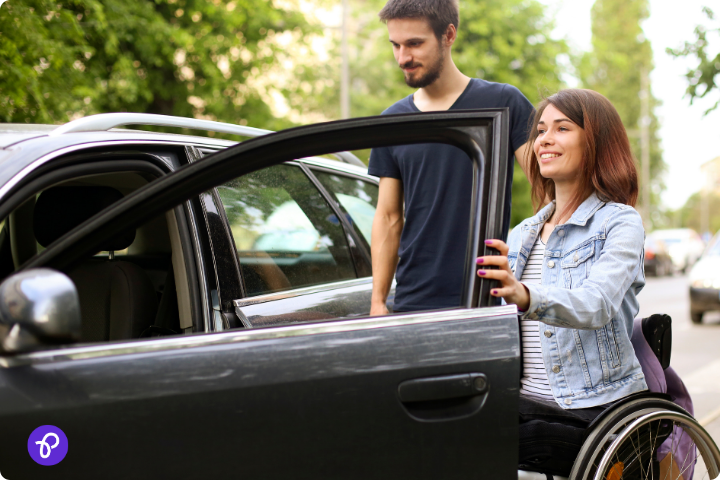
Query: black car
x,y
214,324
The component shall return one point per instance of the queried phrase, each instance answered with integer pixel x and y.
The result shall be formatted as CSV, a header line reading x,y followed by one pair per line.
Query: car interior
x,y
130,288
283,231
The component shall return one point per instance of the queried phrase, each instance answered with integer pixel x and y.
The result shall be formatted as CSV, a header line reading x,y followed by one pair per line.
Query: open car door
x,y
416,395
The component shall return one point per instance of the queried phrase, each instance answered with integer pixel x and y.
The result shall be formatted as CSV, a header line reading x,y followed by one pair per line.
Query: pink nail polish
x,y
488,242
479,260
481,272
494,292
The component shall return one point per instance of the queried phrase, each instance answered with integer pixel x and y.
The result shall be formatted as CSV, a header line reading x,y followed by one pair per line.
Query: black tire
x,y
696,317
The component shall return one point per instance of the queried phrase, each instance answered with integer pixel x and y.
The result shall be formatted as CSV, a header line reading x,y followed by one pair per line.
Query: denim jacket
x,y
586,304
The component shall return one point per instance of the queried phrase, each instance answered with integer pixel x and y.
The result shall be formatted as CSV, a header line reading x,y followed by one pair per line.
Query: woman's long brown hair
x,y
608,166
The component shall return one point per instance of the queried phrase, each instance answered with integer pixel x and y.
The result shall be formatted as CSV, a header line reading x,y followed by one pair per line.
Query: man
x,y
432,180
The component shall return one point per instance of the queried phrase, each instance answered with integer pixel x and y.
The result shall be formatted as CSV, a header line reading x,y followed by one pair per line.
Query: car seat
x,y
117,298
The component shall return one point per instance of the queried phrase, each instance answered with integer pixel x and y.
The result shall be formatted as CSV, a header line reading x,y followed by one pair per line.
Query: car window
x,y
285,233
357,197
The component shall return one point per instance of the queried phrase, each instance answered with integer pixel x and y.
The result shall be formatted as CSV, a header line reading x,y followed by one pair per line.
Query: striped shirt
x,y
534,379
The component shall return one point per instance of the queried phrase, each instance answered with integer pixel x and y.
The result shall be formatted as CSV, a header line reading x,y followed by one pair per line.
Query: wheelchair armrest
x,y
657,330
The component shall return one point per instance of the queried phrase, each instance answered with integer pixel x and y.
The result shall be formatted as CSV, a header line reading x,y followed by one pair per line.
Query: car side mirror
x,y
41,307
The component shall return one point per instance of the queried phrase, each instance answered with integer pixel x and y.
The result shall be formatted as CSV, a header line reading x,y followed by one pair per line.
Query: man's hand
x,y
379,309
510,288
386,231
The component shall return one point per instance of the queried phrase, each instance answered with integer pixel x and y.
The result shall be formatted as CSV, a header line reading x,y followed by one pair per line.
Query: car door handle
x,y
442,388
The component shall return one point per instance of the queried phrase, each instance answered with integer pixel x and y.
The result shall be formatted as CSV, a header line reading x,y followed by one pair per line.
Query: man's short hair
x,y
439,13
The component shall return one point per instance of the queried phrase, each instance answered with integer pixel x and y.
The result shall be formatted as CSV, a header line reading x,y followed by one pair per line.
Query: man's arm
x,y
387,227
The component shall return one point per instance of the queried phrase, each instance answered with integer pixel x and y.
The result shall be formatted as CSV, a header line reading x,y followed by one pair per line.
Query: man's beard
x,y
433,73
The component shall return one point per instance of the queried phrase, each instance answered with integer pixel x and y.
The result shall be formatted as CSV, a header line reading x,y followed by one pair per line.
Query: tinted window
x,y
286,234
357,197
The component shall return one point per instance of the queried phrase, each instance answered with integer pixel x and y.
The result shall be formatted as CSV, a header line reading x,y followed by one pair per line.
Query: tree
x,y
690,214
703,78
621,55
175,57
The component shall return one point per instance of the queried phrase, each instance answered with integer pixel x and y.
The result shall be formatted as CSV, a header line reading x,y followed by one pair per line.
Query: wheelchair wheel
x,y
651,443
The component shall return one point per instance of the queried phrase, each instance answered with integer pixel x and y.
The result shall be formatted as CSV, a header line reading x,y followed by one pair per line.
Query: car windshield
x,y
714,249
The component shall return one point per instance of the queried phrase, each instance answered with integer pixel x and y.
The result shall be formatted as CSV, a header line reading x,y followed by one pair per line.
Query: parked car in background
x,y
658,262
684,244
705,282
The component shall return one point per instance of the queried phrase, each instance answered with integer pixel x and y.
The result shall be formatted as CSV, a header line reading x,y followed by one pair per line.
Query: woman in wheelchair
x,y
574,270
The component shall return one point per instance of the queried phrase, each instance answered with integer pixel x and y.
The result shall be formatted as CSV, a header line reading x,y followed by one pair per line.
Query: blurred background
x,y
279,63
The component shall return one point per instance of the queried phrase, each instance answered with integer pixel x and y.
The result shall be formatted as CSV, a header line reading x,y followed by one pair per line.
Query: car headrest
x,y
60,209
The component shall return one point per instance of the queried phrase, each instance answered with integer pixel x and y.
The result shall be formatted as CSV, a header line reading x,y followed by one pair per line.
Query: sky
x,y
689,139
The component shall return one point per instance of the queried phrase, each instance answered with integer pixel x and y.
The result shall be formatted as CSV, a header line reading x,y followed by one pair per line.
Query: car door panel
x,y
274,403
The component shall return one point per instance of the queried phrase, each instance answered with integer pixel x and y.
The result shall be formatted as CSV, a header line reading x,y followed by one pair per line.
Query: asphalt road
x,y
696,348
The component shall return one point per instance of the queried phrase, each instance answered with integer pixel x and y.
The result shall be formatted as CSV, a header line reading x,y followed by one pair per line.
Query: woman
x,y
575,268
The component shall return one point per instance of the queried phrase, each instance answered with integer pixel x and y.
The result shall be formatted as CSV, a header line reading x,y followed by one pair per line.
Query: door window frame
x,y
482,134
229,278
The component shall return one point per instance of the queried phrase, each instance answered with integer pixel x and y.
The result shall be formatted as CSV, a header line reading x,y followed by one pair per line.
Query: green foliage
x,y
175,57
522,207
614,68
690,214
701,79
507,41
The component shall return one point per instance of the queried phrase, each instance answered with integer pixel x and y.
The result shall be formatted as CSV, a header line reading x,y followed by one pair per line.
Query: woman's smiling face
x,y
559,146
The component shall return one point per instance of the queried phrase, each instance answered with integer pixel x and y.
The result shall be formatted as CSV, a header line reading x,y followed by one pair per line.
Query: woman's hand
x,y
510,289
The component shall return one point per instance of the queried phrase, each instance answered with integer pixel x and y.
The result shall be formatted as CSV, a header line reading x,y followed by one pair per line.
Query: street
x,y
695,349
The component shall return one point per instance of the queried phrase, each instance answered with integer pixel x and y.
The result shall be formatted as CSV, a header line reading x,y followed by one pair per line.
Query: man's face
x,y
417,50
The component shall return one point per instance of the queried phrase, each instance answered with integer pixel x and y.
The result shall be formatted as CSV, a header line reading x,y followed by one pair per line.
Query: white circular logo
x,y
43,444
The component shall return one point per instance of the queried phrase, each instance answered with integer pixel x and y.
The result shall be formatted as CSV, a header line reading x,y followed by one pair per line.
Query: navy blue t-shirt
x,y
437,184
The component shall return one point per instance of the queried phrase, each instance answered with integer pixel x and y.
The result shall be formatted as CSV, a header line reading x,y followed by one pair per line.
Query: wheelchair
x,y
645,436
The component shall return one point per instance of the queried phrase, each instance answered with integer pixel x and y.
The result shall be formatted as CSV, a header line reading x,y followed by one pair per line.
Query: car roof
x,y
11,133
26,146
